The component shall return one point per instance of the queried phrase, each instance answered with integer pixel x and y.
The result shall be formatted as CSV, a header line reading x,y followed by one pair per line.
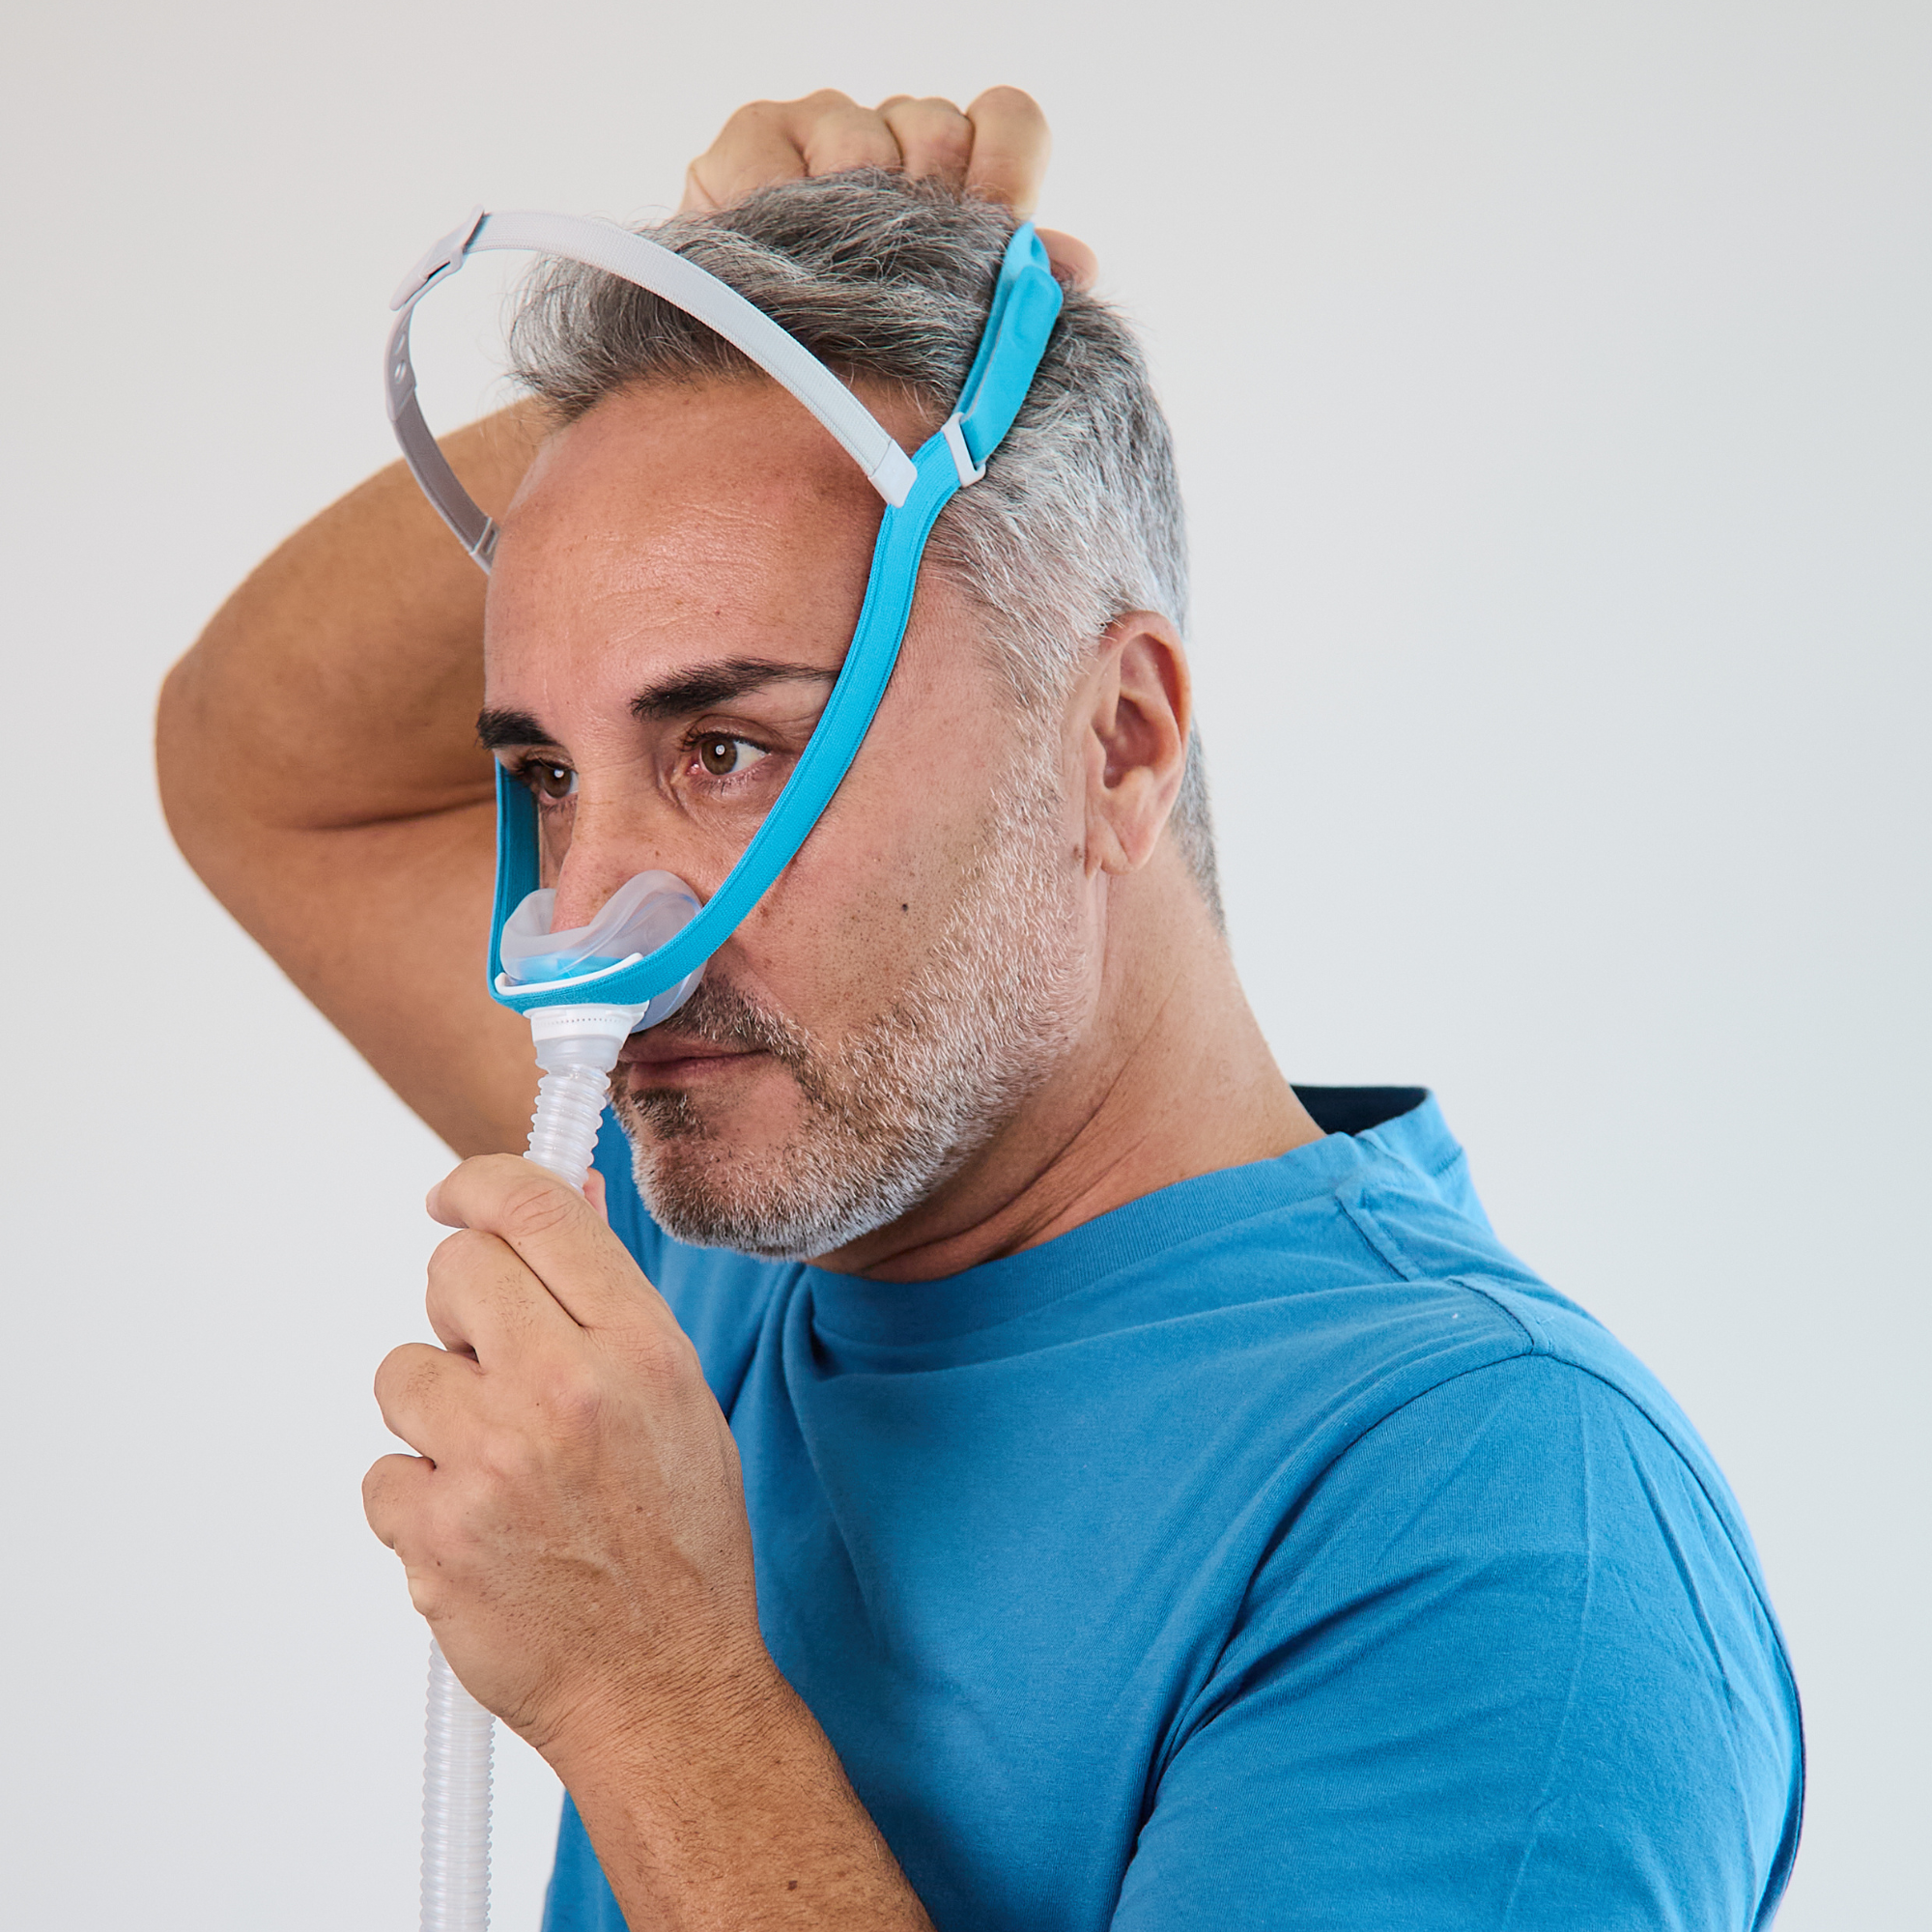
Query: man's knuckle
x,y
392,1371
507,1454
452,1257
939,127
383,1496
569,1399
533,1207
662,1363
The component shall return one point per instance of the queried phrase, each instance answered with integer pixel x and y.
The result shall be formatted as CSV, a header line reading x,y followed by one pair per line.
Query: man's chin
x,y
782,1182
718,1171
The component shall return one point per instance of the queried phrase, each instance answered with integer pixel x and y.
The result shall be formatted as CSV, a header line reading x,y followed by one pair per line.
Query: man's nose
x,y
579,898
607,849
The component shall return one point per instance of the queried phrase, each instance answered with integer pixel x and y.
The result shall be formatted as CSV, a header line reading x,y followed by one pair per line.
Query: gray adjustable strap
x,y
601,245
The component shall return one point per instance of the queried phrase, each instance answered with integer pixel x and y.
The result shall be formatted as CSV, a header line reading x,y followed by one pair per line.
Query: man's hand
x,y
995,148
573,1525
574,1529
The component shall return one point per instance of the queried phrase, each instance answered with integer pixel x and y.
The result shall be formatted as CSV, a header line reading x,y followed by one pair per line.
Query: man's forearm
x,y
319,763
733,1811
339,685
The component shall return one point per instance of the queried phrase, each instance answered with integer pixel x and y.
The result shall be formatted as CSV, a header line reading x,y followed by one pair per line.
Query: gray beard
x,y
988,1016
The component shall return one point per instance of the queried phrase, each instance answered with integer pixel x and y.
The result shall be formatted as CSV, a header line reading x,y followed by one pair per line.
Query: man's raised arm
x,y
319,768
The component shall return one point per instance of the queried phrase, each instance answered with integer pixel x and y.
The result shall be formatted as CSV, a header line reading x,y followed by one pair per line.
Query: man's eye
x,y
728,757
553,781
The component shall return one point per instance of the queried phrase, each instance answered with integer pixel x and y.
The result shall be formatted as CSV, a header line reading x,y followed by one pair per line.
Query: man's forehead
x,y
668,527
664,456
674,537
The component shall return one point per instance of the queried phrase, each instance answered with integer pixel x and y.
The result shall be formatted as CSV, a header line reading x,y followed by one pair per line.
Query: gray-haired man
x,y
1168,1501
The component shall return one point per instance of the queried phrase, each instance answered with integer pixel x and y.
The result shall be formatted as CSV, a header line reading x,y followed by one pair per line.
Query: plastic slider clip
x,y
448,253
962,457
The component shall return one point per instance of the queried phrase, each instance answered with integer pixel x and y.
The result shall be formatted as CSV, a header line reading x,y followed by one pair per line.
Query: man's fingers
x,y
934,137
395,1500
997,149
1074,261
780,140
754,148
392,1494
707,180
1011,146
420,1391
558,1235
834,134
484,1301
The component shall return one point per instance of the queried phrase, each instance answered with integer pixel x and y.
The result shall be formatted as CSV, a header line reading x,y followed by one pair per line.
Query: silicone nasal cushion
x,y
636,919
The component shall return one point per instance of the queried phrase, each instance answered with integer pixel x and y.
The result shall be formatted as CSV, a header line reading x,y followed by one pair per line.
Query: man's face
x,y
674,591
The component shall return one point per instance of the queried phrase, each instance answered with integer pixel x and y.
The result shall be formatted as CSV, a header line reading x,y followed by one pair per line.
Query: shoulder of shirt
x,y
1432,1295
1414,1231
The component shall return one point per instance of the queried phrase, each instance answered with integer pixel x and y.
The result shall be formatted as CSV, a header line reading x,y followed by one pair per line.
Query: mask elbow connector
x,y
577,1048
577,1038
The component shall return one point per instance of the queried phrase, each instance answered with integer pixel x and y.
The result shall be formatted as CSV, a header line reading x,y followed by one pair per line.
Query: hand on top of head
x,y
996,147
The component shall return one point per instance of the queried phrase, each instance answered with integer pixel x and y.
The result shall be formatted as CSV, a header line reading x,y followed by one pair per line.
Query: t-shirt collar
x,y
864,1310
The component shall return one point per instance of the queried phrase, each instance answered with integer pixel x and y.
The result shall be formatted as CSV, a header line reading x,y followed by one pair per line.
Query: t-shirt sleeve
x,y
1506,1671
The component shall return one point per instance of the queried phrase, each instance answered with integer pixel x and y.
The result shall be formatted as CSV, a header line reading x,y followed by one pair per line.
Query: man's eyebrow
x,y
705,685
498,728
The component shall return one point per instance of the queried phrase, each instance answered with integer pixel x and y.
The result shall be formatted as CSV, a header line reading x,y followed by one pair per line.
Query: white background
x,y
1551,388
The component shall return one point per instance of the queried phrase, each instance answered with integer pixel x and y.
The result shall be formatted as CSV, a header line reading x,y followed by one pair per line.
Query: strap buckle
x,y
442,256
962,457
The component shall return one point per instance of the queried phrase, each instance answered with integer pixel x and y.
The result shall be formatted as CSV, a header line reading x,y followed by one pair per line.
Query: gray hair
x,y
1078,518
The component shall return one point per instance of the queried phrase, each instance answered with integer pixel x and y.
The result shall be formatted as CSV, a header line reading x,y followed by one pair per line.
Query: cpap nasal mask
x,y
587,989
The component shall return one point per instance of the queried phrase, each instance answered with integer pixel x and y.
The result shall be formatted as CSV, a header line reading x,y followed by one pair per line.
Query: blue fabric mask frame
x,y
1026,303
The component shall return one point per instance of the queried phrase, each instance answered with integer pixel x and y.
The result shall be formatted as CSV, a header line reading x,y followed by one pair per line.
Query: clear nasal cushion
x,y
636,919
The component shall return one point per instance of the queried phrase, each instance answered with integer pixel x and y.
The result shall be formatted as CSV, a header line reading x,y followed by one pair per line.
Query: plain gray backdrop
x,y
1550,384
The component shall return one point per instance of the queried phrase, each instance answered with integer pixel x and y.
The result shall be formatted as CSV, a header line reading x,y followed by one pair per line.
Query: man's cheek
x,y
759,1103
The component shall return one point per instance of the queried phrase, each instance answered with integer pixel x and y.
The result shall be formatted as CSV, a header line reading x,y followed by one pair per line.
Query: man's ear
x,y
1137,704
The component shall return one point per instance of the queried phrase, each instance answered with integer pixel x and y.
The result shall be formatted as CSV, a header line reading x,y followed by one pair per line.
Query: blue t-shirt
x,y
1274,1551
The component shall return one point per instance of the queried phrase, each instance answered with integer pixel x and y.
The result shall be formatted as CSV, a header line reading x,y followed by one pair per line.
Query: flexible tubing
x,y
457,1741
570,1111
458,1733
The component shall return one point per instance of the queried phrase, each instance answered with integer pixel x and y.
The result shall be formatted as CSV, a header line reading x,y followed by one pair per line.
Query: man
x,y
1008,1460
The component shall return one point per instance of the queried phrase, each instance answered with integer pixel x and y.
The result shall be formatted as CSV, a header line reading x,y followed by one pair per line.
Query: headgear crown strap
x,y
1026,302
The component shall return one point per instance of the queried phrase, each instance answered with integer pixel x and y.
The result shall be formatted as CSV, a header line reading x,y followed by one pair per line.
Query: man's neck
x,y
1174,1080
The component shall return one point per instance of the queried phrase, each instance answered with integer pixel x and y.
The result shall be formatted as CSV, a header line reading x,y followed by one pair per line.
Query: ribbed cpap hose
x,y
456,1737
456,1805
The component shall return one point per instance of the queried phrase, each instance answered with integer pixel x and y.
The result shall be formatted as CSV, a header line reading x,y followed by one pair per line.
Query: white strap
x,y
603,245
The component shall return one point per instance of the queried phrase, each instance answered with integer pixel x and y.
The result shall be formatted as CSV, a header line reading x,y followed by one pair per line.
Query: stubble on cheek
x,y
758,1168
849,1135
687,1139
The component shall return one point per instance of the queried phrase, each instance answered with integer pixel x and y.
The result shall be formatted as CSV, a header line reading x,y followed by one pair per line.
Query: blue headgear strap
x,y
1026,300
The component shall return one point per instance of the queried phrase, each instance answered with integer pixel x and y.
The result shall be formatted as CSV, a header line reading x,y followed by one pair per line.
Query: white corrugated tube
x,y
456,1804
576,1046
577,1059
